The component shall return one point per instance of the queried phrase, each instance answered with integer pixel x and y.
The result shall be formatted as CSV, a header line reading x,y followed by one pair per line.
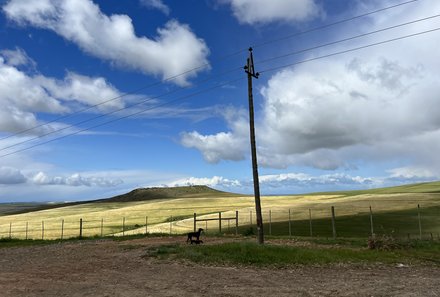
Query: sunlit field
x,y
392,212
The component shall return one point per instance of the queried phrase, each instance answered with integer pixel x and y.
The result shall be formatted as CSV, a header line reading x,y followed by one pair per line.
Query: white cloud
x,y
377,105
22,95
113,37
17,57
263,11
74,180
156,4
215,181
9,176
224,145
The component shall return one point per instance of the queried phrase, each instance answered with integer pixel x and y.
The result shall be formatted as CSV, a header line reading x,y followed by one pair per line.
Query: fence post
x,y
146,224
123,226
310,222
371,222
270,222
206,226
80,228
62,229
236,222
102,227
171,225
26,230
10,230
42,230
290,225
420,222
220,222
250,217
195,221
333,222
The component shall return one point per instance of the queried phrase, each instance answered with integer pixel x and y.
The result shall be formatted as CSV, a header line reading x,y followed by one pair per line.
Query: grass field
x,y
394,211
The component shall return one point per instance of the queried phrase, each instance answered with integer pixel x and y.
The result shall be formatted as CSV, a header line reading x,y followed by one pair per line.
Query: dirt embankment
x,y
109,268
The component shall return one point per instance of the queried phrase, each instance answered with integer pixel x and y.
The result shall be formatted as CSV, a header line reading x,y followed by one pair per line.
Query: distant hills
x,y
144,194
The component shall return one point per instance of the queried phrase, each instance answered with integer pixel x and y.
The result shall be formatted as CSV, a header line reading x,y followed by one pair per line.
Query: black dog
x,y
194,234
195,241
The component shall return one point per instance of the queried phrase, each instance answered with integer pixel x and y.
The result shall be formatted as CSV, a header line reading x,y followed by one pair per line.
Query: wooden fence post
x,y
333,222
80,228
310,222
206,226
62,229
420,222
270,222
250,217
10,230
123,226
236,222
102,227
146,224
42,230
220,222
195,222
26,230
371,222
171,225
290,225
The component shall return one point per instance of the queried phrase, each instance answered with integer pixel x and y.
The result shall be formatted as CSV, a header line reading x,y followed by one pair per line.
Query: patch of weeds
x,y
383,243
163,251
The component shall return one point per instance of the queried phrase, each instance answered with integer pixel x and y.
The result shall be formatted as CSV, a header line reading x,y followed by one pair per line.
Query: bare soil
x,y
110,268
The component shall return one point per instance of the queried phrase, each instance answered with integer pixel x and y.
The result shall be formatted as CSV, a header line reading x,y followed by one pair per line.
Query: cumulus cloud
x,y
22,95
75,180
156,4
10,176
224,145
263,11
113,37
375,105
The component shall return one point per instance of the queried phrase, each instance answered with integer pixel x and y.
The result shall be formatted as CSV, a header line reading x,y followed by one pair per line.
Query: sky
x,y
98,98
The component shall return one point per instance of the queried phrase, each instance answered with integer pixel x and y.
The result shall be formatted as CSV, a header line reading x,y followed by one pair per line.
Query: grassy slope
x,y
429,187
398,212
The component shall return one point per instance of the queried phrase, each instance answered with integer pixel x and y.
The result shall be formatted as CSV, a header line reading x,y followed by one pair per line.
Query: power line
x,y
115,111
349,50
332,24
171,78
124,117
262,61
347,39
223,84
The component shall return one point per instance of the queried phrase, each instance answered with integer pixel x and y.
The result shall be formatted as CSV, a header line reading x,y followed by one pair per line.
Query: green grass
x,y
252,254
397,223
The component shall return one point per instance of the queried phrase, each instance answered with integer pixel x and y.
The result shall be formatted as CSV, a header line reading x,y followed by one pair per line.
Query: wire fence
x,y
362,221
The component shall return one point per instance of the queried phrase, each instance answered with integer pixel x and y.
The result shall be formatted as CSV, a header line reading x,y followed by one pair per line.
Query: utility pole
x,y
250,70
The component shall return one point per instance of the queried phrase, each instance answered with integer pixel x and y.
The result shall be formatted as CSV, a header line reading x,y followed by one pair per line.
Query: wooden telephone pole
x,y
250,70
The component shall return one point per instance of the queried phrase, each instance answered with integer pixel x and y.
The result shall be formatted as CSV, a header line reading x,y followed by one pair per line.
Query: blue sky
x,y
73,73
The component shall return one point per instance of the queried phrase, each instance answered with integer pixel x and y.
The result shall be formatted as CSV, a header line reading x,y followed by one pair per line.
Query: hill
x,y
144,194
428,187
141,194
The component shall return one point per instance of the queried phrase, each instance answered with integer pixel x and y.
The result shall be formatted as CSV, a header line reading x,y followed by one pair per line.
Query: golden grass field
x,y
175,215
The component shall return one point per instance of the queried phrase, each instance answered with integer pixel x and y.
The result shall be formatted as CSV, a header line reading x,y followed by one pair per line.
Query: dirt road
x,y
109,268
